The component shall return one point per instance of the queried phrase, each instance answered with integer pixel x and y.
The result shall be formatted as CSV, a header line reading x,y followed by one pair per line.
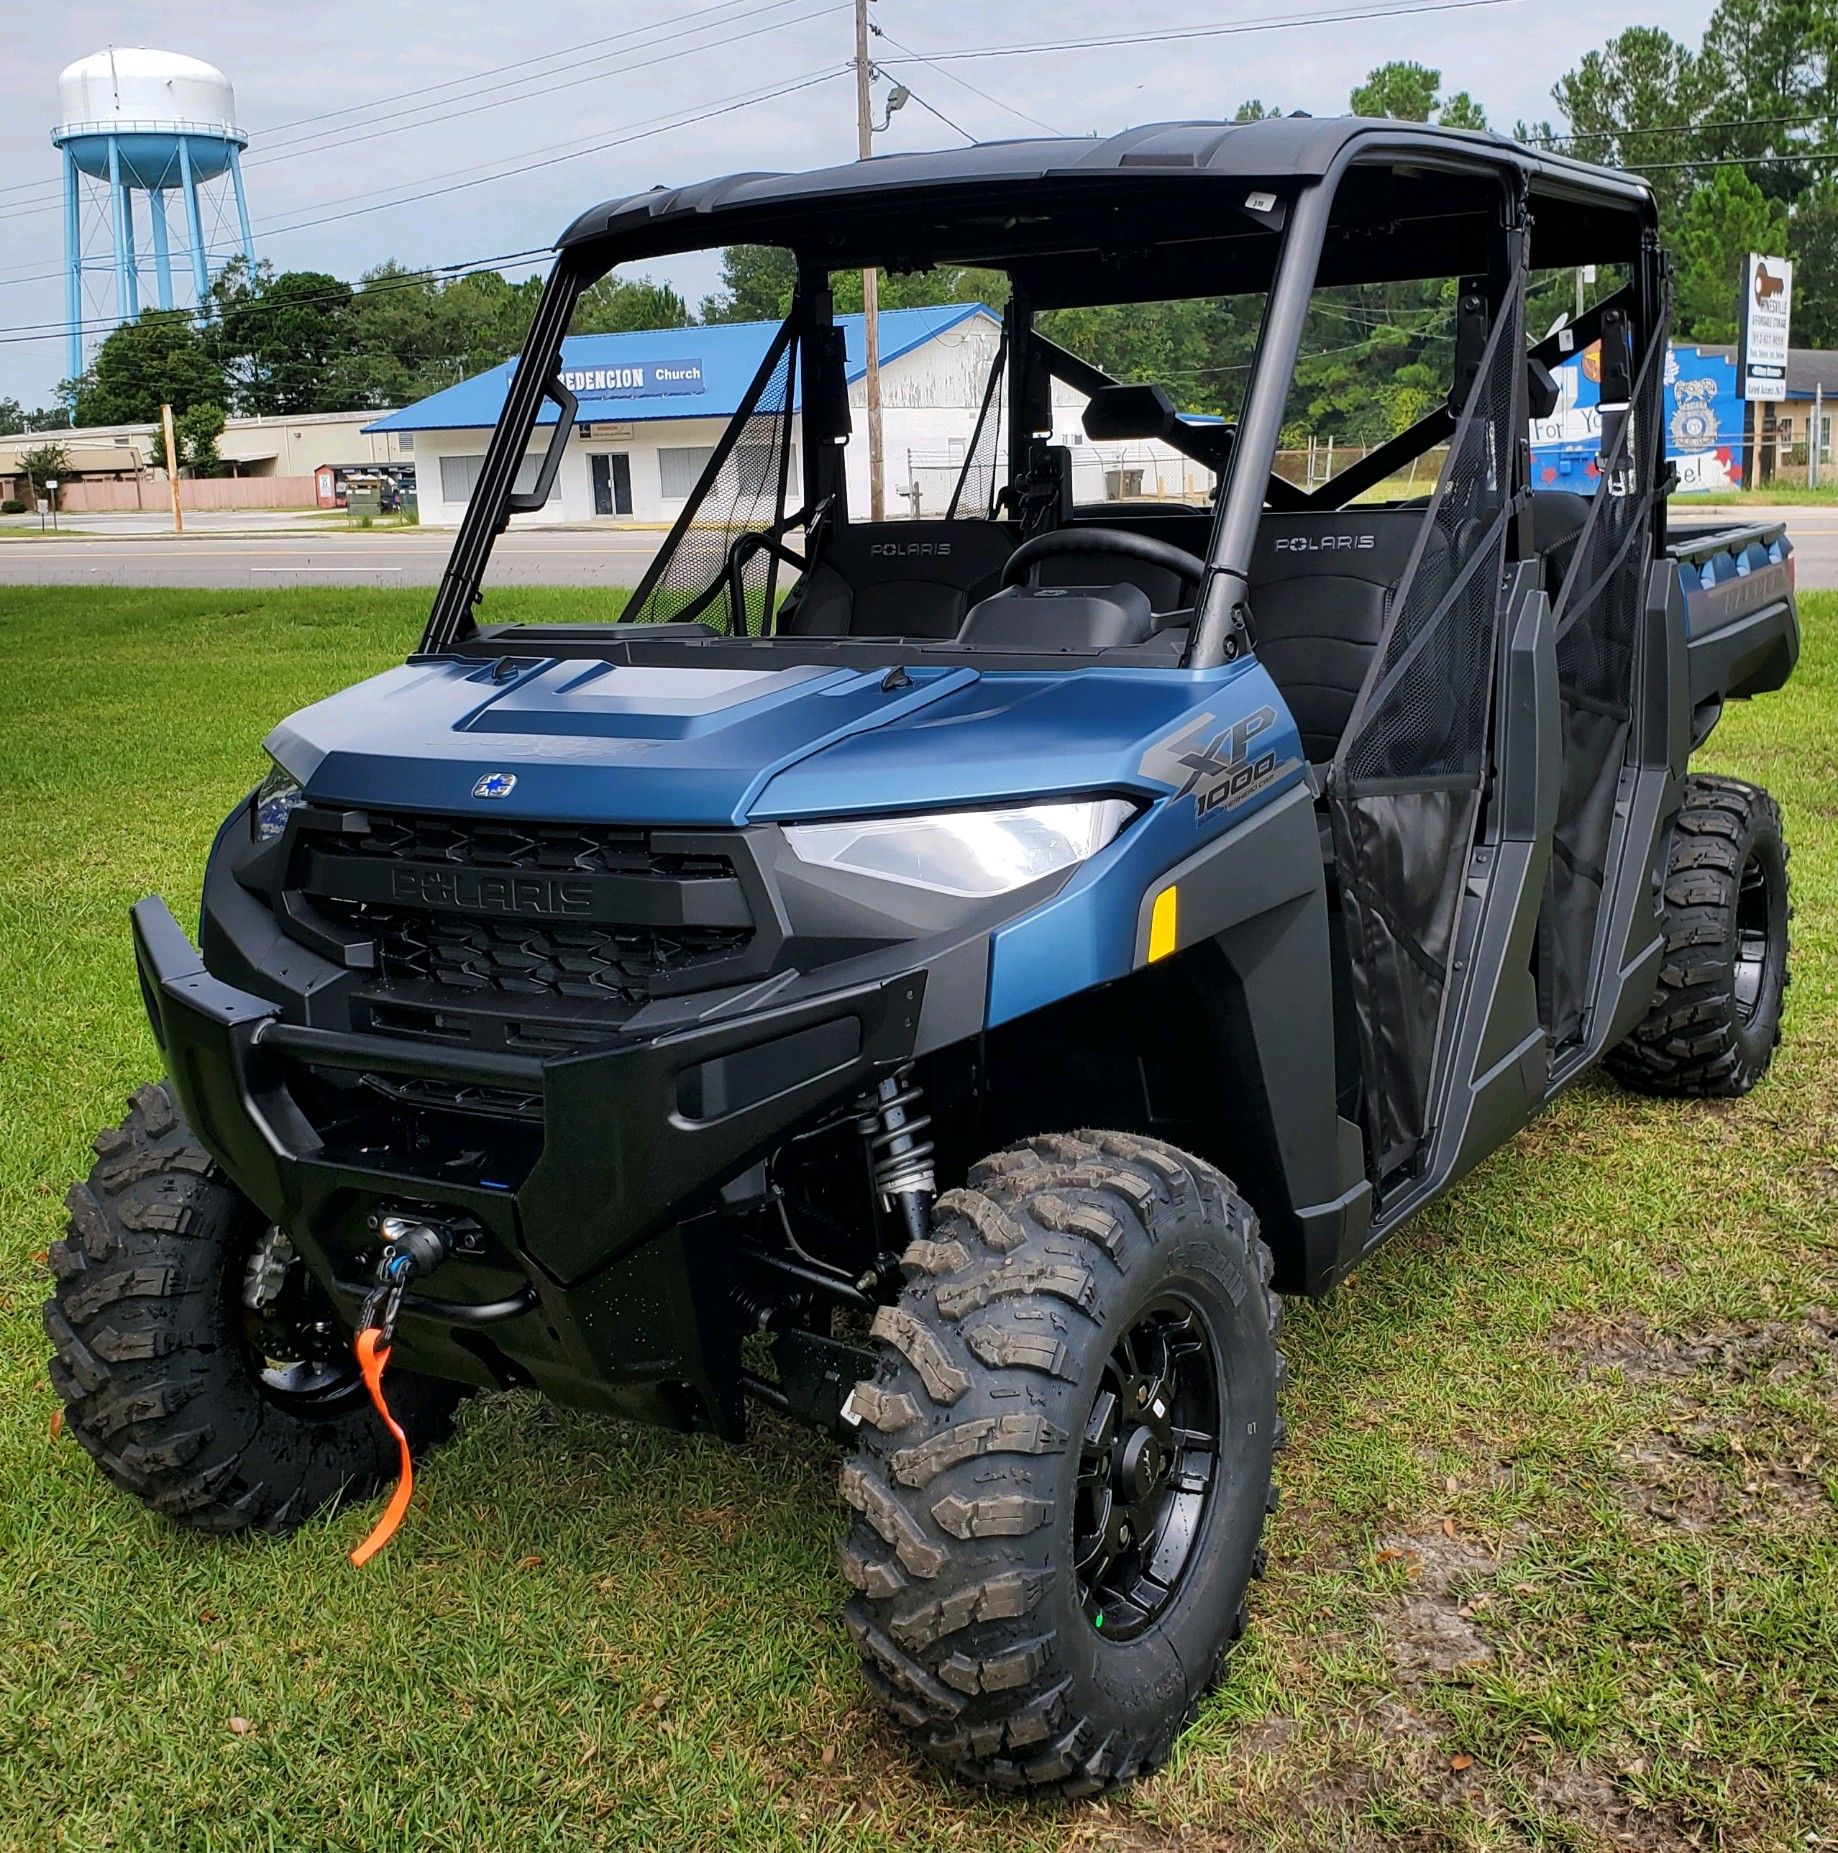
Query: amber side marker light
x,y
1162,924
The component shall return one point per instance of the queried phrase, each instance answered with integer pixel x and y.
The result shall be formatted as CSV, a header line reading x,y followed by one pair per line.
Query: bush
x,y
12,506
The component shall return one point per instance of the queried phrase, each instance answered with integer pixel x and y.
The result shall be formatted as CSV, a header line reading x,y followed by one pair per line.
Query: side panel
x,y
1258,900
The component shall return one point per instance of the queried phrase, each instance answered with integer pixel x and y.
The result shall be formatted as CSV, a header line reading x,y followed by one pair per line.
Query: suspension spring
x,y
898,1150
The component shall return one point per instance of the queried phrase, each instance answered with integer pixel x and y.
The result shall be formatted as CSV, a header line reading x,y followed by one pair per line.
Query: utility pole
x,y
871,292
172,469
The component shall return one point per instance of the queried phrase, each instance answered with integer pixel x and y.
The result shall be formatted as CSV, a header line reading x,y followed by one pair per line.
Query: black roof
x,y
818,206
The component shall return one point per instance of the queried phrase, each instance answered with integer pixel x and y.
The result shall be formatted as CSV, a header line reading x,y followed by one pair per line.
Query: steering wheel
x,y
1187,567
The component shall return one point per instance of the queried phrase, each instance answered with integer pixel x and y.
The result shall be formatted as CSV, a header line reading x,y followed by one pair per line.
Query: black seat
x,y
1322,587
898,579
1558,516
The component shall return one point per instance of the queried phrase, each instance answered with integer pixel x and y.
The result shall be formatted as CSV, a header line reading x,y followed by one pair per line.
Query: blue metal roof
x,y
652,373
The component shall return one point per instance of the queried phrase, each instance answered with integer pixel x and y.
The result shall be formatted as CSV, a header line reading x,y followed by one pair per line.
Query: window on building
x,y
679,468
459,476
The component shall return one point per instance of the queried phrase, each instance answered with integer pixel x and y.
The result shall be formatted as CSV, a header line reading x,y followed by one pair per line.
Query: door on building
x,y
612,473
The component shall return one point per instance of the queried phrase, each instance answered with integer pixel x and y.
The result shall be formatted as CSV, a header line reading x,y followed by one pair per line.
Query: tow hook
x,y
411,1248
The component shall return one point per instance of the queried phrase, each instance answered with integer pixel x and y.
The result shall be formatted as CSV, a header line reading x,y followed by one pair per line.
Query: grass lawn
x,y
1557,1564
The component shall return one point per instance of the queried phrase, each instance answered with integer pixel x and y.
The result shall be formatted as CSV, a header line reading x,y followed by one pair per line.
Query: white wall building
x,y
654,403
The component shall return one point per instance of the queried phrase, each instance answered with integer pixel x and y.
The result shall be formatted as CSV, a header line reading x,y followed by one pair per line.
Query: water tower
x,y
143,123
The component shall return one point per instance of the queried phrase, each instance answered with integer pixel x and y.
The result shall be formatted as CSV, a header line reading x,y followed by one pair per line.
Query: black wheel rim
x,y
292,1343
1148,1468
1754,912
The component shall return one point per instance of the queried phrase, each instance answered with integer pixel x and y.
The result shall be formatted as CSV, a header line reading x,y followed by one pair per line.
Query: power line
x,y
347,139
1274,23
700,15
933,109
974,89
46,331
1680,128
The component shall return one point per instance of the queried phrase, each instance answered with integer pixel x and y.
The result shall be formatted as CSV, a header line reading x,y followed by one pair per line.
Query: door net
x,y
1404,789
713,565
1597,622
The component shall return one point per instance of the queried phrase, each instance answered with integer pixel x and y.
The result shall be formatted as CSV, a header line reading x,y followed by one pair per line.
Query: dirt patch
x,y
1774,1348
1431,1627
1699,1478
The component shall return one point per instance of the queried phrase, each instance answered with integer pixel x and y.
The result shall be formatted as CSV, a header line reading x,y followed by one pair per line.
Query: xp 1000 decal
x,y
1220,767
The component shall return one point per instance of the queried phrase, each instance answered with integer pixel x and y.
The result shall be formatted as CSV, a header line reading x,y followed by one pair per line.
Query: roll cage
x,y
1278,208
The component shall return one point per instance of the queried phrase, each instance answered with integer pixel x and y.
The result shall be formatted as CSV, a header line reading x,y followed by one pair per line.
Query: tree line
x,y
1738,135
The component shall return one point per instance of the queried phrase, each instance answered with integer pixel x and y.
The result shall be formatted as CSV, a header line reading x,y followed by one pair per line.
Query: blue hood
x,y
706,746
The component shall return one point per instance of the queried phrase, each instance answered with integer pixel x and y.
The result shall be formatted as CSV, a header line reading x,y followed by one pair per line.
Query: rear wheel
x,y
1715,1019
1064,1462
199,1362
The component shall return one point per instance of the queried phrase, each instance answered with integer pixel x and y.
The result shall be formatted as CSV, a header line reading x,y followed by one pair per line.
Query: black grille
x,y
445,958
518,958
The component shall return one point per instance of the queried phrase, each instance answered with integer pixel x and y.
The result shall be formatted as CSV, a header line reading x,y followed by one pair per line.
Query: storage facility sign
x,y
639,379
1761,345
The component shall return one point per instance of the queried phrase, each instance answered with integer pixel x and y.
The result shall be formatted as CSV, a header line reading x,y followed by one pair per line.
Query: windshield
x,y
1067,407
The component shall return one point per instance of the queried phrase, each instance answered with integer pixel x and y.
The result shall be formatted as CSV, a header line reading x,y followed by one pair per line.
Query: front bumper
x,y
586,1279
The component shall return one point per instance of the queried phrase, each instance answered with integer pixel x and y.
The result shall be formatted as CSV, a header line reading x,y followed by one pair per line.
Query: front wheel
x,y
1064,1462
199,1363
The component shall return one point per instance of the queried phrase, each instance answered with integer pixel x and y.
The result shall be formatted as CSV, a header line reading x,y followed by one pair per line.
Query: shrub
x,y
12,506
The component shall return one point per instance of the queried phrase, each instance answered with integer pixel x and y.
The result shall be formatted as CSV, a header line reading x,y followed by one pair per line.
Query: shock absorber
x,y
894,1123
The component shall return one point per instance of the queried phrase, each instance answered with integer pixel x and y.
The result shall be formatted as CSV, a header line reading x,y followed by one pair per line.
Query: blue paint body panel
x,y
687,747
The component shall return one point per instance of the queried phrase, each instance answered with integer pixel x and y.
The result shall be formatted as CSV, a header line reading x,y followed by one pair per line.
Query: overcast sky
x,y
593,73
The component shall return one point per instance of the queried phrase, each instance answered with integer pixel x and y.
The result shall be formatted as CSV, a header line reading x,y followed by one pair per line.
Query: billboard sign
x,y
1703,421
1761,339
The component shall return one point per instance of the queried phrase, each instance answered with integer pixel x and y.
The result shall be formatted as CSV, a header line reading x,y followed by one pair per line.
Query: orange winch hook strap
x,y
372,1355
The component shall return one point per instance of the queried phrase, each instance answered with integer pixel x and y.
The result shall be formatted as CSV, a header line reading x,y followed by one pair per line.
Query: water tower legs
x,y
162,252
73,269
242,205
200,265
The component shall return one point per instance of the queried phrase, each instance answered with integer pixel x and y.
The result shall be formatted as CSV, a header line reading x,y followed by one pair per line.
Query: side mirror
x,y
1541,387
1124,413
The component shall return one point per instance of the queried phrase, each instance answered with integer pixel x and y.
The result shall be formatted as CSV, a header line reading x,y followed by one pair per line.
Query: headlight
x,y
278,799
970,853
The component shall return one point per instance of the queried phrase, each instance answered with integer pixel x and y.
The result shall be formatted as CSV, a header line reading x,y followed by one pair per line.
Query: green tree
x,y
280,339
158,360
195,433
616,305
44,464
1403,91
1813,240
756,285
1408,92
1637,103
1725,219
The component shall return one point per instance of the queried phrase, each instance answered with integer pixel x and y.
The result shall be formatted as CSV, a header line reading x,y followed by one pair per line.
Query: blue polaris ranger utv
x,y
942,978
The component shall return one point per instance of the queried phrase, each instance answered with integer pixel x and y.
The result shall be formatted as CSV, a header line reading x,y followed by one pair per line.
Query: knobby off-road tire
x,y
978,1454
1715,1019
151,1356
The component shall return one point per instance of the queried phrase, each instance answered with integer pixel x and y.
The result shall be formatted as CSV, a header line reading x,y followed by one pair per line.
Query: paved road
x,y
569,557
412,557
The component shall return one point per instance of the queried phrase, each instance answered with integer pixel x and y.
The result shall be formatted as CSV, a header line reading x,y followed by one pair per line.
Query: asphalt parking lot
x,y
269,550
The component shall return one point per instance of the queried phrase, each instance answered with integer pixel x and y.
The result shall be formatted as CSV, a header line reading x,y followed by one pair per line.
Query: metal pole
x,y
194,223
118,199
172,469
73,257
162,252
242,205
871,291
1818,434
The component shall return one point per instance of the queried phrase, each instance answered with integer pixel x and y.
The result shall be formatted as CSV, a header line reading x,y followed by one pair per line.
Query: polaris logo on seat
x,y
909,549
1325,543
468,891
